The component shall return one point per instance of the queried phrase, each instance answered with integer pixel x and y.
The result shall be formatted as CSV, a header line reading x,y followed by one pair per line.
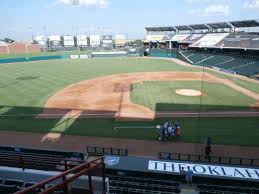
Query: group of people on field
x,y
168,130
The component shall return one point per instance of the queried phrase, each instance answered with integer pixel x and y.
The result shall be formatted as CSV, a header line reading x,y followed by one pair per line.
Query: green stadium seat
x,y
247,66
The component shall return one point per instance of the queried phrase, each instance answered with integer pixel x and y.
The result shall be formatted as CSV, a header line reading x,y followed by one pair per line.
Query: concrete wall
x,y
4,50
18,47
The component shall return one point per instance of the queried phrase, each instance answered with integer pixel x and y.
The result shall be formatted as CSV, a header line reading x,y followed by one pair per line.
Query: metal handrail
x,y
21,160
111,151
76,171
209,159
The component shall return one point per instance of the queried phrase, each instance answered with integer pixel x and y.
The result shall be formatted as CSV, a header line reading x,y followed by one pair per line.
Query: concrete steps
x,y
185,189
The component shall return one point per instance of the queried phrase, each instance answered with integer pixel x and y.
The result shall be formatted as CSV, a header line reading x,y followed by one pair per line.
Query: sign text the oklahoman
x,y
209,170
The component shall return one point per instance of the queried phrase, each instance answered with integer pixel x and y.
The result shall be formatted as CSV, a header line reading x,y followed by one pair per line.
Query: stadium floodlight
x,y
75,2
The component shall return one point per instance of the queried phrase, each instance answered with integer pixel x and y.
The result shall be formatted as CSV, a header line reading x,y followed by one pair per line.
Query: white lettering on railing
x,y
209,170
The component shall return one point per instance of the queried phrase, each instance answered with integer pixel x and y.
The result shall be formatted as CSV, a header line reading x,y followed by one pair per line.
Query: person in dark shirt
x,y
189,175
177,129
182,171
208,145
183,174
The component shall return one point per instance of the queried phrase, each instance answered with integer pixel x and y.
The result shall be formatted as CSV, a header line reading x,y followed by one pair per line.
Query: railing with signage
x,y
209,159
99,151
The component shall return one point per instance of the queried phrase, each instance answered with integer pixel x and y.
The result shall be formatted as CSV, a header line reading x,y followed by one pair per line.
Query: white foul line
x,y
135,127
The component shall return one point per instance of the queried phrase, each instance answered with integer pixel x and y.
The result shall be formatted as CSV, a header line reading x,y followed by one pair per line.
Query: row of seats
x,y
249,70
237,40
129,184
226,189
242,65
9,186
219,59
125,190
37,159
196,58
144,180
43,152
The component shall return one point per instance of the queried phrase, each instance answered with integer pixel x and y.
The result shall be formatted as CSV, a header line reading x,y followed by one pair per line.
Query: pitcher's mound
x,y
188,92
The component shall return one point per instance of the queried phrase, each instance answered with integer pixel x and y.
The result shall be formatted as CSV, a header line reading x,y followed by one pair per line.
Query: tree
x,y
135,43
61,41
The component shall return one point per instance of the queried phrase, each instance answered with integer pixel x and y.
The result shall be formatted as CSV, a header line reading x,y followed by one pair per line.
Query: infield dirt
x,y
109,96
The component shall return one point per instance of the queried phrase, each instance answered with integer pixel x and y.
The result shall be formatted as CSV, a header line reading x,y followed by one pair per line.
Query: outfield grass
x,y
25,87
161,96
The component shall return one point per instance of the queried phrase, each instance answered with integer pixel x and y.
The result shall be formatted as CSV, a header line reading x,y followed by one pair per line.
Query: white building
x,y
95,40
69,41
41,39
55,40
81,40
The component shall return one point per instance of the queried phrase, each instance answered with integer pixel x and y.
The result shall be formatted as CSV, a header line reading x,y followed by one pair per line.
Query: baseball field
x,y
127,98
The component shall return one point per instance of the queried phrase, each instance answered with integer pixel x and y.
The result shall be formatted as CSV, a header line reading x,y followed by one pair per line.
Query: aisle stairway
x,y
189,190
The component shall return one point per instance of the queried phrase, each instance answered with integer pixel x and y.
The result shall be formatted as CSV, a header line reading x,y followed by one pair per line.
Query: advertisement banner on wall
x,y
120,40
95,40
82,40
107,40
69,41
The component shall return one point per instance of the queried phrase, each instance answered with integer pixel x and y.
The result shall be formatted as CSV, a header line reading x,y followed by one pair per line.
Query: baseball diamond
x,y
93,101
81,96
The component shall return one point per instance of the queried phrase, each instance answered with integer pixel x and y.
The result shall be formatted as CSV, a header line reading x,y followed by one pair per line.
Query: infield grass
x,y
161,96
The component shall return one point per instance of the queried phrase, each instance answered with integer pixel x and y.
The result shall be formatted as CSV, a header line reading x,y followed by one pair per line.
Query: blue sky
x,y
20,19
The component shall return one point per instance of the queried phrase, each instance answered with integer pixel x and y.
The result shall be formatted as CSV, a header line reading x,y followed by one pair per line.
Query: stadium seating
x,y
129,184
250,69
209,40
43,152
244,65
204,188
240,40
38,159
179,37
192,38
9,186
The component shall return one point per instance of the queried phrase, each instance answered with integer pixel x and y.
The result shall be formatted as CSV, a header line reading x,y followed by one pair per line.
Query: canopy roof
x,y
245,23
237,24
183,28
160,29
199,27
219,25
